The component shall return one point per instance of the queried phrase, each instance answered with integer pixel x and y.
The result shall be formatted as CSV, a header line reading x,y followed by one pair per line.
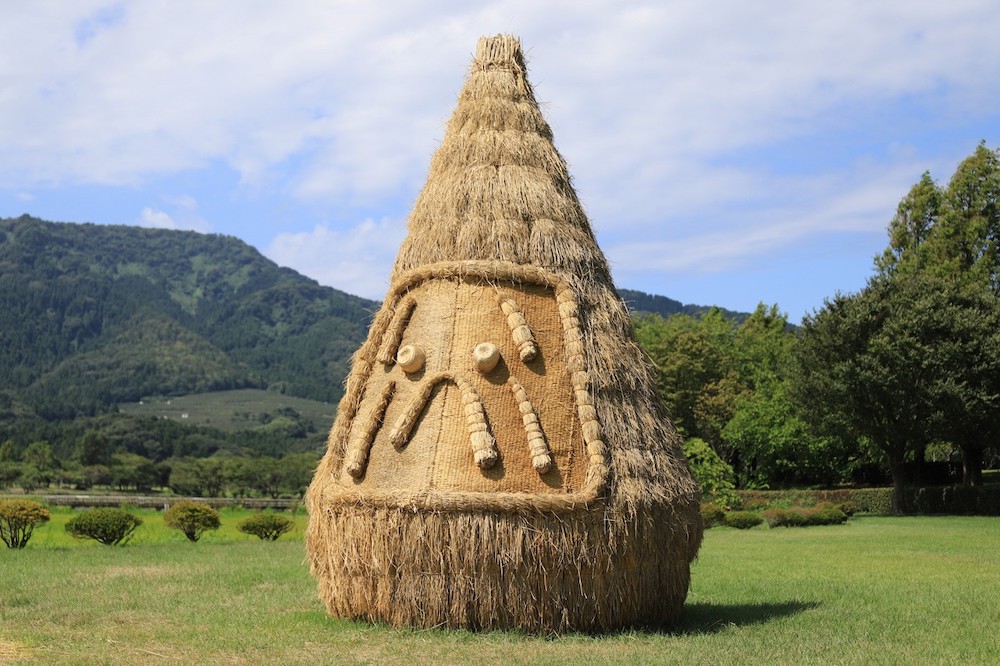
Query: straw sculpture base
x,y
579,571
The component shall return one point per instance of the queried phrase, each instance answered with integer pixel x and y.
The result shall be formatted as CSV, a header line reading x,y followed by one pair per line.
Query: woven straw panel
x,y
449,319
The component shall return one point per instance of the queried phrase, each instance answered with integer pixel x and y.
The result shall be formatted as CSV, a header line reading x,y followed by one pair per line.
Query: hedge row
x,y
954,500
825,514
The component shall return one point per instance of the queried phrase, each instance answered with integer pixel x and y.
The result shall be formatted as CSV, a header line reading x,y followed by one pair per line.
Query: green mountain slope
x,y
642,303
92,315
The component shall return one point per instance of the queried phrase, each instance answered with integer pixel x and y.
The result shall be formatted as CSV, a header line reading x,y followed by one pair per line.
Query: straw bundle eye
x,y
485,356
411,358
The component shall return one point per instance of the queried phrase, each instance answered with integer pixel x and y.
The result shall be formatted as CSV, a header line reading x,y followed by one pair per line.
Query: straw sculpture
x,y
501,458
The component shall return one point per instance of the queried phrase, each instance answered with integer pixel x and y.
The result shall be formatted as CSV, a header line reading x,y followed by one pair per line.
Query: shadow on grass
x,y
709,618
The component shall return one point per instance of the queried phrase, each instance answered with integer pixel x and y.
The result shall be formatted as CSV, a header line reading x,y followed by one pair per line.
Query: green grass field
x,y
922,590
231,410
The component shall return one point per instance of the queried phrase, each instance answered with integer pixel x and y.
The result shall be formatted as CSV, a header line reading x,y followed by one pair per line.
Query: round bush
x,y
18,519
112,527
776,517
712,514
743,520
827,515
192,518
266,526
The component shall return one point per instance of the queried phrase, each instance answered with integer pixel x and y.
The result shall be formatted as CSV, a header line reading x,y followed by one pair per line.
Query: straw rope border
x,y
489,271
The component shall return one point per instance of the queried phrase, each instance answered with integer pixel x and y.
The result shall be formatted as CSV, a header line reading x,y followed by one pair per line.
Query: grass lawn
x,y
877,590
231,410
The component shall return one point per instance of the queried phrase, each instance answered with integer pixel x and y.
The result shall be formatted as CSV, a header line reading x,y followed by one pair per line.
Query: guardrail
x,y
161,502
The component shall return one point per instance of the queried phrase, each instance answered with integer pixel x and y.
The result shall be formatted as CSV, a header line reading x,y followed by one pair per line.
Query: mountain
x,y
642,303
93,315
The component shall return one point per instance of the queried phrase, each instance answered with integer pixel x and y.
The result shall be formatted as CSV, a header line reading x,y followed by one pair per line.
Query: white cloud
x,y
860,201
355,93
185,215
155,219
356,260
681,120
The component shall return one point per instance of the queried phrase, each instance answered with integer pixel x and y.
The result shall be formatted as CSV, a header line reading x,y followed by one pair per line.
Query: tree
x,y
953,235
965,238
690,354
714,476
191,518
18,520
916,216
297,471
198,476
907,360
8,452
239,475
38,457
964,371
132,471
93,449
268,476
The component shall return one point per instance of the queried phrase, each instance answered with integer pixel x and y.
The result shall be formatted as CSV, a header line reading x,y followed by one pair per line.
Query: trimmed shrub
x,y
848,508
266,526
873,500
743,520
712,514
112,527
18,520
192,518
776,517
756,504
826,514
957,500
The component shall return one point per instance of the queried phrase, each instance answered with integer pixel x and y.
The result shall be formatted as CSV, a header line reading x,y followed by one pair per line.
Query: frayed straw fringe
x,y
481,570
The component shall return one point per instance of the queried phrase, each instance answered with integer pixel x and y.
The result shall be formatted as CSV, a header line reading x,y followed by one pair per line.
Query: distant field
x,y
231,410
920,590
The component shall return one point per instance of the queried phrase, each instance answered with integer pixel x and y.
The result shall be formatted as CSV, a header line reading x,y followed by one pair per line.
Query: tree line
x,y
36,469
899,380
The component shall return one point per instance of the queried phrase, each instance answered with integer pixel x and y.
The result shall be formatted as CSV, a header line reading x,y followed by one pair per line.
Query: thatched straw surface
x,y
501,457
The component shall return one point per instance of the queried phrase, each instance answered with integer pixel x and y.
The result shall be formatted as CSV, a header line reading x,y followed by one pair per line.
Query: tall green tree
x,y
906,361
953,234
93,449
915,217
770,443
965,237
690,353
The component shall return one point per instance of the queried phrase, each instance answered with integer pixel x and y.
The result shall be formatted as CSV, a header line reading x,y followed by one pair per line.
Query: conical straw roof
x,y
544,489
498,189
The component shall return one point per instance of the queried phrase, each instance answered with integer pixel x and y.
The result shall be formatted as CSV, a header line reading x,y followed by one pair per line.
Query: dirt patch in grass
x,y
147,571
11,652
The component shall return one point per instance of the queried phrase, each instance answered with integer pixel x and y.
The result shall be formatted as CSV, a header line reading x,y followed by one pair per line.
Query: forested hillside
x,y
93,315
642,303
94,318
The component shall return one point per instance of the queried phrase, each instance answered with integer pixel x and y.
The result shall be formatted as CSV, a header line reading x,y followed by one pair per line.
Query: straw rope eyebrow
x,y
523,337
541,457
484,449
394,333
356,458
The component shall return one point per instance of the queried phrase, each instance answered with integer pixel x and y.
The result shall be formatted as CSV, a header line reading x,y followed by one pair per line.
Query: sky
x,y
727,153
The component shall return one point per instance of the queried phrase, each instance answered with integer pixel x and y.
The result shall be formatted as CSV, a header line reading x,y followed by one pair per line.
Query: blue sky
x,y
726,152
